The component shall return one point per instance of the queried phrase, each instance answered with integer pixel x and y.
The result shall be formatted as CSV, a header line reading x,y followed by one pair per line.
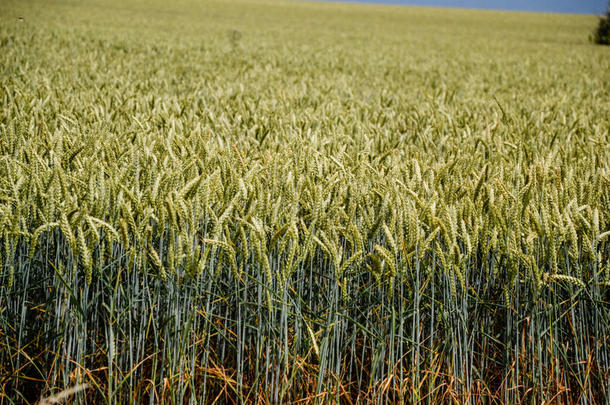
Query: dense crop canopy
x,y
282,200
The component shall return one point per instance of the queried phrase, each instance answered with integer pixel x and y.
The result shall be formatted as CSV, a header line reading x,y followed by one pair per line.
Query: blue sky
x,y
557,6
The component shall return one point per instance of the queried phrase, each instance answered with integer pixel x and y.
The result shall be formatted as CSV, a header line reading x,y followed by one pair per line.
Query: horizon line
x,y
401,3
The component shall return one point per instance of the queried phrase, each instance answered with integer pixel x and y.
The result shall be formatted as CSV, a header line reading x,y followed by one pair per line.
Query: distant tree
x,y
602,33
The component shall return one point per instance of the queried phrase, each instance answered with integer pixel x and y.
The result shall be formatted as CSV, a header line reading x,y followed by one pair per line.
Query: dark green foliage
x,y
601,36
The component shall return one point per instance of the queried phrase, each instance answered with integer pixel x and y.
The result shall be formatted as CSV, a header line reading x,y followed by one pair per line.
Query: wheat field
x,y
271,201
